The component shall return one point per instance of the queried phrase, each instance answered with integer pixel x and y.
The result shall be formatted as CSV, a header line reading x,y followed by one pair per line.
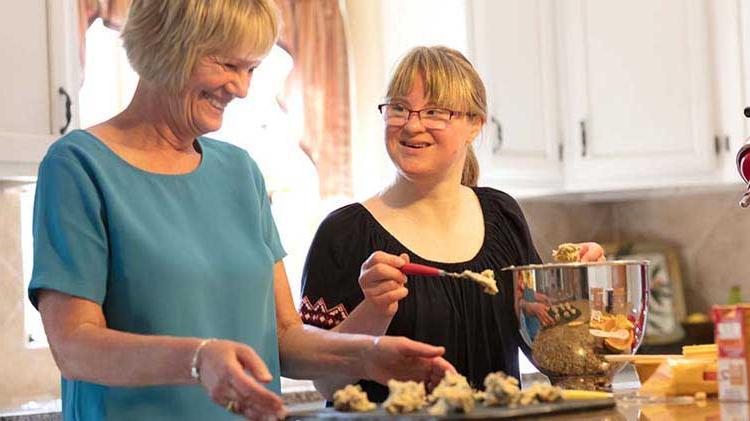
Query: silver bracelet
x,y
194,373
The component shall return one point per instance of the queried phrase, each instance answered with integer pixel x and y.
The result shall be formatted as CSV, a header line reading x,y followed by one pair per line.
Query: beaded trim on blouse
x,y
319,315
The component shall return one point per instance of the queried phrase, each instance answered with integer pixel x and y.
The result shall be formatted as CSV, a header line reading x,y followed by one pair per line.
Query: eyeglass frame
x,y
451,113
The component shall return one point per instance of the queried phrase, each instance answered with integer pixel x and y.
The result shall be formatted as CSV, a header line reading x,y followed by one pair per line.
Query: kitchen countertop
x,y
45,409
50,410
682,409
629,407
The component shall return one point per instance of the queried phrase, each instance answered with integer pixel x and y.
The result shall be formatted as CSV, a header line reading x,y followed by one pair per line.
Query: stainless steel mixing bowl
x,y
572,315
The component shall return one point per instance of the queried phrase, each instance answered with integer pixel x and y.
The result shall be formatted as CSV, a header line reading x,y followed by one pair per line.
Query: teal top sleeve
x,y
270,232
70,241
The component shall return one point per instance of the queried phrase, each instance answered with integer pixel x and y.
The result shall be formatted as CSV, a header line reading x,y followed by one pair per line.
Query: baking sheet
x,y
480,412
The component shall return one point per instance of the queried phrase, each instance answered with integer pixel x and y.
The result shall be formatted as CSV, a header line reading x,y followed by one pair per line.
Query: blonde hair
x,y
449,81
164,39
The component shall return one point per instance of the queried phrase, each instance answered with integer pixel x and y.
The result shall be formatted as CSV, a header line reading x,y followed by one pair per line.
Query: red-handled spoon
x,y
422,270
487,283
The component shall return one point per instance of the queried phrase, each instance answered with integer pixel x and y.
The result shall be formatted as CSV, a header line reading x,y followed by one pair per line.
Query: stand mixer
x,y
743,166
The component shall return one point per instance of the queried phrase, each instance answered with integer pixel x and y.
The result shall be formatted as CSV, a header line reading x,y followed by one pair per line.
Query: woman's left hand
x,y
592,252
404,359
232,374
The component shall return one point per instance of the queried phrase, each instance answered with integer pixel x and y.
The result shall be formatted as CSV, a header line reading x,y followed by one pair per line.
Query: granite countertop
x,y
49,410
629,406
297,396
39,410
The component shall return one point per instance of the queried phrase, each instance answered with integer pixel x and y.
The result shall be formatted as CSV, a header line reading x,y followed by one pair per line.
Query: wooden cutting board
x,y
480,412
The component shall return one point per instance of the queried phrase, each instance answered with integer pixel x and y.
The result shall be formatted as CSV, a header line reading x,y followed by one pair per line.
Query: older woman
x,y
432,214
157,267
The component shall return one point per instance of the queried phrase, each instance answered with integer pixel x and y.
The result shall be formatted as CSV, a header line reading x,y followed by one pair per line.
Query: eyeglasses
x,y
398,115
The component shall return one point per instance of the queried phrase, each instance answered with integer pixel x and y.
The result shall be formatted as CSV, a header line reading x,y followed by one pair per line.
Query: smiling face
x,y
421,153
216,80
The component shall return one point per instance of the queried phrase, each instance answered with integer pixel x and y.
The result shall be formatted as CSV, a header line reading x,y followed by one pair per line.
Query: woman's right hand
x,y
233,372
400,358
382,282
540,311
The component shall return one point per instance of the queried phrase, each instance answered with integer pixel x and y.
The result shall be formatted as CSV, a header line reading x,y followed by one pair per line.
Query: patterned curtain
x,y
315,37
112,12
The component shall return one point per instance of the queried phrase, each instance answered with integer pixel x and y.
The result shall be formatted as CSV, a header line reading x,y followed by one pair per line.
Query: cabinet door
x,y
638,98
39,57
729,20
514,50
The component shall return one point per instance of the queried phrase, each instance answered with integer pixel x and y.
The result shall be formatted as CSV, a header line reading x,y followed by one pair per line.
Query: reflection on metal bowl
x,y
573,314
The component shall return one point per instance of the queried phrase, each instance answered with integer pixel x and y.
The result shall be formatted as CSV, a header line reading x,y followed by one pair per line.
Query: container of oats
x,y
733,341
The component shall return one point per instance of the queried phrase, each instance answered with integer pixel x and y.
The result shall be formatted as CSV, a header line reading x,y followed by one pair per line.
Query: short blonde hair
x,y
449,81
164,39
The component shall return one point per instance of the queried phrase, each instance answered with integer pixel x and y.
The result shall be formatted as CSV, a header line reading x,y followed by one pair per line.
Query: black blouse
x,y
477,330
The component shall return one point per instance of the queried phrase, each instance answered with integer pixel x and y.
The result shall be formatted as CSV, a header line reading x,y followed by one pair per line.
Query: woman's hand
x,y
540,311
404,359
382,282
592,252
232,374
542,298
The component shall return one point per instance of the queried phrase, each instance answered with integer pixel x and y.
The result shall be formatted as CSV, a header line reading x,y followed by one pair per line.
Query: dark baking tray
x,y
480,412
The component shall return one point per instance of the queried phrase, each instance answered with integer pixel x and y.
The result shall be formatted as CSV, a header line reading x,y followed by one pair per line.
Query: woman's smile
x,y
215,102
414,144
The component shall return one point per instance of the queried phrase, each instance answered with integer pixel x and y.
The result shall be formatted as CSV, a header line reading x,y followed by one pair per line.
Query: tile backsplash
x,y
25,373
713,236
711,232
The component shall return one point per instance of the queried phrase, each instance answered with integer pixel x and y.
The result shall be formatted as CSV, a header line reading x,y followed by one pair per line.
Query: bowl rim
x,y
576,265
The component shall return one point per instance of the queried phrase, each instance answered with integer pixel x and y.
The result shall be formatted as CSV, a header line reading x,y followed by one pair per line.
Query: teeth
x,y
415,145
215,102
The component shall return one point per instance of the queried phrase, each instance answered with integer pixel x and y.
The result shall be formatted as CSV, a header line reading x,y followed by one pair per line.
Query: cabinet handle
x,y
717,145
747,112
498,143
68,114
583,138
727,146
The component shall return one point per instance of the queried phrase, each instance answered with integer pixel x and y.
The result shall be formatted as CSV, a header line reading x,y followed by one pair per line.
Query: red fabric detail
x,y
320,315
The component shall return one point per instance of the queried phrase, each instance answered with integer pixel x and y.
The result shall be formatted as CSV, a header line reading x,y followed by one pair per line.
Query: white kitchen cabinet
x,y
638,96
39,52
730,20
735,22
514,51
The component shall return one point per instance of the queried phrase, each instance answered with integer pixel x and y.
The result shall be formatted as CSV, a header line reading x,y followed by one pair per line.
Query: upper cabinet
x,y
514,51
630,95
731,28
638,100
40,59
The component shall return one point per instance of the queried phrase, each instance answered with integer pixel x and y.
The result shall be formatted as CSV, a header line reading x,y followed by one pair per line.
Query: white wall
x,y
381,32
